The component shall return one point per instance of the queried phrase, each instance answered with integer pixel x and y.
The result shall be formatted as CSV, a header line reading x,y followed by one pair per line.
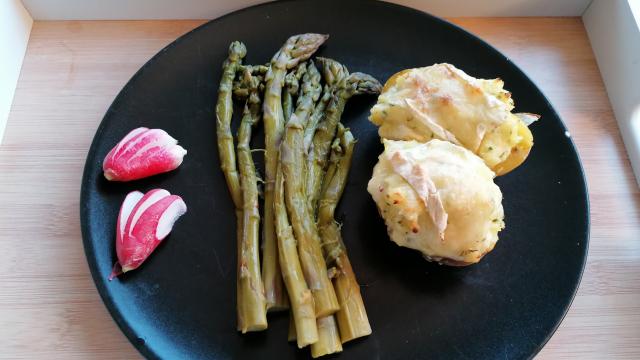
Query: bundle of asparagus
x,y
307,158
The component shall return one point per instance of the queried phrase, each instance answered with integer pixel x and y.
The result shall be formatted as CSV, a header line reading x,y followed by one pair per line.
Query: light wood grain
x,y
49,307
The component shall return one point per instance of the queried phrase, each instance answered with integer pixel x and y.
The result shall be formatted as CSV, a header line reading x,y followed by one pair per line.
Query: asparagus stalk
x,y
254,69
309,93
251,299
328,338
248,316
240,85
224,112
353,84
295,50
304,226
316,116
291,86
337,151
300,297
302,220
329,341
333,72
352,316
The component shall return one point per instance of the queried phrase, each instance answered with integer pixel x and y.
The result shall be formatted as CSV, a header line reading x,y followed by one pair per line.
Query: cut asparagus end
x,y
352,316
328,338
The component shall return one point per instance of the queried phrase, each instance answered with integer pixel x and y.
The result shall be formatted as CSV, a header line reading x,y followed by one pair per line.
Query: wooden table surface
x,y
49,307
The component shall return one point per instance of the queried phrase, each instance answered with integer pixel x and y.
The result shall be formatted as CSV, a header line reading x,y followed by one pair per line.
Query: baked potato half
x,y
438,198
442,102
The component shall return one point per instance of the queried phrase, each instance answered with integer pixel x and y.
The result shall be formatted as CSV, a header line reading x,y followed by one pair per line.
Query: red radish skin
x,y
142,153
146,225
143,204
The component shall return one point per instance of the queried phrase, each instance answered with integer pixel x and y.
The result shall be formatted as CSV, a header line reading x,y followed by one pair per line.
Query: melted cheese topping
x,y
438,198
442,102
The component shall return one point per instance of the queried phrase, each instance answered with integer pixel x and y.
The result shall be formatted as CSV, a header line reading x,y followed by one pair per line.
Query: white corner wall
x,y
209,9
15,27
615,38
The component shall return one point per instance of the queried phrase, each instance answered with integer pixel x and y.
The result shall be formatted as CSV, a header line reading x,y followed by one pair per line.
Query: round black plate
x,y
181,303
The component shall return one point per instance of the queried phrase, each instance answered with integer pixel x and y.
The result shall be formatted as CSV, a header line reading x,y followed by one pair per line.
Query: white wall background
x,y
615,38
15,26
209,9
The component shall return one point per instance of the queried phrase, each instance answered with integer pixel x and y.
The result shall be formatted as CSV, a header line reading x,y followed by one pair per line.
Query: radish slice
x,y
148,219
142,153
143,204
125,210
169,217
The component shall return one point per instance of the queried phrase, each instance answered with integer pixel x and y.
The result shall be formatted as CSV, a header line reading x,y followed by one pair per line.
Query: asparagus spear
x,y
304,226
328,338
302,220
309,92
254,69
240,85
354,84
291,86
295,50
333,72
329,341
300,297
251,306
352,316
337,151
224,112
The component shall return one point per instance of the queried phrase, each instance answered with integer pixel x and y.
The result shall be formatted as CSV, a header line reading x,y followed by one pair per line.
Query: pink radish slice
x,y
145,230
150,198
128,140
147,224
125,210
169,217
142,153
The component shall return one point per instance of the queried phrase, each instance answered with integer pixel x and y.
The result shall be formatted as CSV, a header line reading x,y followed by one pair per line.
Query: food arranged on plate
x,y
143,222
438,198
442,102
446,136
142,153
304,265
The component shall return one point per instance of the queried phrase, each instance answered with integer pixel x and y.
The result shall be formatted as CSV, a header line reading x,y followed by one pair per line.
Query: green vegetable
x,y
300,297
296,49
302,220
251,304
353,84
224,112
352,316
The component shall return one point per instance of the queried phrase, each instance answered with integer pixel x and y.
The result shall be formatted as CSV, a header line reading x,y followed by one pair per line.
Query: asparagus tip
x,y
237,50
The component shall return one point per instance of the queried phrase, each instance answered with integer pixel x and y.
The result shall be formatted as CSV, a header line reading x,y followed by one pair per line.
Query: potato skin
x,y
519,153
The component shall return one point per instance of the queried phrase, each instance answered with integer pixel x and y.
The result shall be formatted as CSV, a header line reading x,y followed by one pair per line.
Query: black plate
x,y
181,303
